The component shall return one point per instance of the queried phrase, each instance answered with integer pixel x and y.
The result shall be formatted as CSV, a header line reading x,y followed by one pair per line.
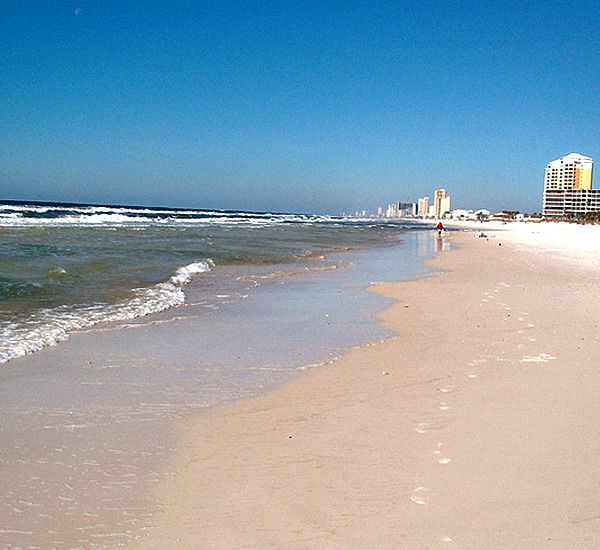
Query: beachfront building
x,y
568,187
408,209
462,214
401,210
441,203
423,207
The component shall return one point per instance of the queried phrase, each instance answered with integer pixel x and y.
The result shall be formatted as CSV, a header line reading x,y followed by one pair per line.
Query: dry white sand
x,y
578,244
478,426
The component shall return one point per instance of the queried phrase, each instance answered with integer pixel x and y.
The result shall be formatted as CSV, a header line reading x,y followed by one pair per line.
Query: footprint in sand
x,y
540,358
419,495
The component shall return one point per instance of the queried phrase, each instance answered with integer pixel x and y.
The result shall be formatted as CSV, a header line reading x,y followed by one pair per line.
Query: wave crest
x,y
184,274
48,327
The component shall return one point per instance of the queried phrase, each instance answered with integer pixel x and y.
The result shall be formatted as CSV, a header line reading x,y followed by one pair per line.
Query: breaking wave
x,y
23,215
46,327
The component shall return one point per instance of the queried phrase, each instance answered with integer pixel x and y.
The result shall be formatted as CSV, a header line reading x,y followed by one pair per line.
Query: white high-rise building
x,y
401,210
441,203
568,187
423,207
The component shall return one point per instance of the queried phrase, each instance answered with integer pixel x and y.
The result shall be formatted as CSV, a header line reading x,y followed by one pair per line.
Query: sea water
x,y
115,321
68,267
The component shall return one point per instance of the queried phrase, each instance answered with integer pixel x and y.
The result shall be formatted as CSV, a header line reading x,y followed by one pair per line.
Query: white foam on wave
x,y
38,215
114,219
48,327
184,274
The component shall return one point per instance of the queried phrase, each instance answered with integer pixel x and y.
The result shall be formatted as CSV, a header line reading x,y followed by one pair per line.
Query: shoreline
x,y
449,433
87,426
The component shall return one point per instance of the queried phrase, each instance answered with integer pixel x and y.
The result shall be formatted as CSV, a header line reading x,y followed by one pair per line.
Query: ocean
x,y
68,267
117,322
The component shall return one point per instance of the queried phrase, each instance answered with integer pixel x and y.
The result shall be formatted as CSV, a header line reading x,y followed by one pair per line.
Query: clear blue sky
x,y
294,106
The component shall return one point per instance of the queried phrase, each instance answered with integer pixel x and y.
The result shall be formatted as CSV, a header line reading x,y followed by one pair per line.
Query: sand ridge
x,y
475,427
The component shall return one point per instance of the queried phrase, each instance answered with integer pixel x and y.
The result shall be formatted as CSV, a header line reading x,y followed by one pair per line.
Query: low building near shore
x,y
506,215
462,214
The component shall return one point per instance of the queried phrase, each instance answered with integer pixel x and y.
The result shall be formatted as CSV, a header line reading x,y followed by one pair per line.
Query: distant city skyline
x,y
294,107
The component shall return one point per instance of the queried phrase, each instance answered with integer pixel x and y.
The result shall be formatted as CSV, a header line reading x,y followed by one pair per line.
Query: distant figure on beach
x,y
439,228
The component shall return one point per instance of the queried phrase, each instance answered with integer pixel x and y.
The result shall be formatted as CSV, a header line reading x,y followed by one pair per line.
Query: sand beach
x,y
229,317
475,426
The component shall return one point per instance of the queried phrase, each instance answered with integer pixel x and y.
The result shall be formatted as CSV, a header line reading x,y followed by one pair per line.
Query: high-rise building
x,y
568,187
445,206
423,207
407,209
401,210
441,202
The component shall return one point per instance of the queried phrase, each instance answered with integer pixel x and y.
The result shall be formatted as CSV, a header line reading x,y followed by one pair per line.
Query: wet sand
x,y
477,426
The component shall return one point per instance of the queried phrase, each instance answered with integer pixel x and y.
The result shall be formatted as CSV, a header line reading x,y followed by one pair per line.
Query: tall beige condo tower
x,y
423,207
568,187
441,202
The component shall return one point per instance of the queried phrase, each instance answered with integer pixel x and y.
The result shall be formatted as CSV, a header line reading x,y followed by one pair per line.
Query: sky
x,y
322,107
